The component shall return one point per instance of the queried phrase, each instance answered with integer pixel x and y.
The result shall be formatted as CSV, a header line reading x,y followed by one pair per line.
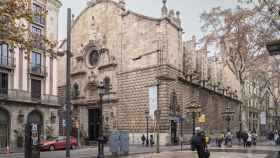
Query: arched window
x,y
93,57
75,90
173,102
107,84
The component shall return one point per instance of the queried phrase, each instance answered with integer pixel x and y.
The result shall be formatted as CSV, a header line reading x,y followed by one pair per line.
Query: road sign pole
x,y
67,98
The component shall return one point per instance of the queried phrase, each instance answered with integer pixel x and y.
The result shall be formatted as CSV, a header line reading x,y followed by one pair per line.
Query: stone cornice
x,y
57,3
31,103
107,66
207,89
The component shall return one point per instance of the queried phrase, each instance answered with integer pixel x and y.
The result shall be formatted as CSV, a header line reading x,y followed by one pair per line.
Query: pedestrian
x,y
220,140
249,140
229,138
152,142
199,143
276,138
143,139
245,138
254,137
238,136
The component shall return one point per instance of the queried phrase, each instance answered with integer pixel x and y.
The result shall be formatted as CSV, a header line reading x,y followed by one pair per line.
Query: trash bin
x,y
124,143
114,143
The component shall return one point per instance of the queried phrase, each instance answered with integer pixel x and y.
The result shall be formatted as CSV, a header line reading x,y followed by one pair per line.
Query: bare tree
x,y
14,18
241,34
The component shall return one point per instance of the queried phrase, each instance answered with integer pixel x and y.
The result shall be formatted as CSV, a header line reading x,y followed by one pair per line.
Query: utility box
x,y
119,143
115,143
124,143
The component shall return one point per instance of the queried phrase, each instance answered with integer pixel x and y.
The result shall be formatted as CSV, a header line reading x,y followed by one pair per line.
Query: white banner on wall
x,y
263,118
152,101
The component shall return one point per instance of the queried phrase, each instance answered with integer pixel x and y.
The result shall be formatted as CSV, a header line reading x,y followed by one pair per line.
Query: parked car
x,y
58,143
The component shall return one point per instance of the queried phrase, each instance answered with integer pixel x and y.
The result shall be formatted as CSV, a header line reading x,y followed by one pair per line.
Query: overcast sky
x,y
190,11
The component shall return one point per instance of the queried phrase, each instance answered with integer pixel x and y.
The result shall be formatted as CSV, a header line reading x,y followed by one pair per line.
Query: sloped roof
x,y
127,12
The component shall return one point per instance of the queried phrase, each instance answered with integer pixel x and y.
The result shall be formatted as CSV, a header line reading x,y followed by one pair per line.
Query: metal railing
x,y
39,19
7,61
37,69
38,41
25,96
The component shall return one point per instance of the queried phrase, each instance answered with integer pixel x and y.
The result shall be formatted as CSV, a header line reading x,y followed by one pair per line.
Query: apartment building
x,y
28,92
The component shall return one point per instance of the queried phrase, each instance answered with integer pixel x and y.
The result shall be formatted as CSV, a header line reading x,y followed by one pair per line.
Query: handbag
x,y
207,153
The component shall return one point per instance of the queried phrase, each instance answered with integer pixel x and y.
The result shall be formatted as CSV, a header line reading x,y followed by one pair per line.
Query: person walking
x,y
199,143
276,137
254,137
238,136
249,140
245,138
143,139
152,142
220,140
229,139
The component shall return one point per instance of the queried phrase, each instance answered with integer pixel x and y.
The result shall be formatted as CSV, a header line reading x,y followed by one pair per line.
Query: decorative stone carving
x,y
164,10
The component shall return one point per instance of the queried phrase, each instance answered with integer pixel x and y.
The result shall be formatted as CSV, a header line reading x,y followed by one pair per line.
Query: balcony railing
x,y
7,62
38,41
39,19
36,69
24,96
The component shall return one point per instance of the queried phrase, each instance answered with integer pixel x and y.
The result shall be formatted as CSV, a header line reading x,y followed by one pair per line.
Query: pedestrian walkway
x,y
190,154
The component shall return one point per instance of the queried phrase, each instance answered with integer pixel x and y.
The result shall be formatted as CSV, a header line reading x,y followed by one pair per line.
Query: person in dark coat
x,y
245,139
199,143
143,139
152,140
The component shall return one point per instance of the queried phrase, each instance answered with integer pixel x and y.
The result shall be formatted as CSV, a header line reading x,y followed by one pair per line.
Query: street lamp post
x,y
147,127
240,117
181,127
101,92
194,108
67,95
157,112
193,122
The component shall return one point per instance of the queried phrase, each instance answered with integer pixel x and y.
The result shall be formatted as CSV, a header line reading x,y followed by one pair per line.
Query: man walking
x,y
143,138
199,143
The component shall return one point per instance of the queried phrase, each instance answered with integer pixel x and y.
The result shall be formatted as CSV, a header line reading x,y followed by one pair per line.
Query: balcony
x,y
24,96
7,62
39,19
37,70
38,41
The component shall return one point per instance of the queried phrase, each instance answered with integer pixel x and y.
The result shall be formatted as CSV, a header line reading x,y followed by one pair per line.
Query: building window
x,y
173,102
3,83
36,30
38,11
36,63
75,90
35,89
93,58
4,53
107,84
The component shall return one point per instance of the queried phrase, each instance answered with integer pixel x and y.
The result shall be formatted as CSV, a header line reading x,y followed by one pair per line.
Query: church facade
x,y
132,54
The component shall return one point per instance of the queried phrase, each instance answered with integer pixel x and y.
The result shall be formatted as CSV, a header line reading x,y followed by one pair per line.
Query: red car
x,y
58,143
